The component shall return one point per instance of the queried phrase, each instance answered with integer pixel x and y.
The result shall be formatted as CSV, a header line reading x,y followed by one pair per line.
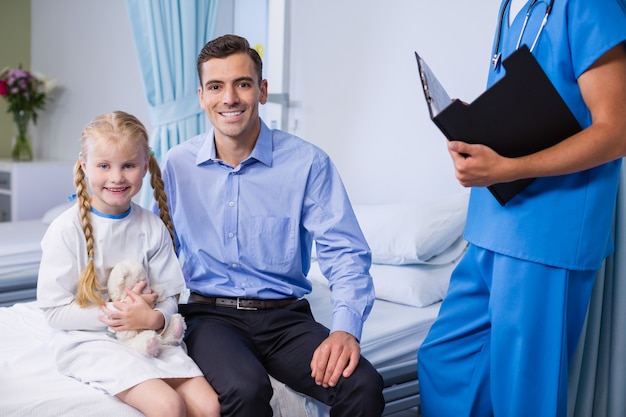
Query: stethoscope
x,y
497,54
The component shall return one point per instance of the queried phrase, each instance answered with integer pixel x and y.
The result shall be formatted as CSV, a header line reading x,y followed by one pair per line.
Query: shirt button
x,y
232,203
234,265
231,235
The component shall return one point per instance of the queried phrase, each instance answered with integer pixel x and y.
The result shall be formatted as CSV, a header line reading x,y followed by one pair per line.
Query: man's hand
x,y
479,165
337,356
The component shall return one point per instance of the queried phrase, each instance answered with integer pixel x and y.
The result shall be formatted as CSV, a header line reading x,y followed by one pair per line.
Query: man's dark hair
x,y
225,46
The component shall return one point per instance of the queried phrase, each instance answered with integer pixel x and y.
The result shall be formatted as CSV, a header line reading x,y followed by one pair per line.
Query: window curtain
x,y
168,36
597,383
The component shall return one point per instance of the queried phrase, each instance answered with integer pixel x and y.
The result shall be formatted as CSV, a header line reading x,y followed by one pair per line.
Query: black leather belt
x,y
241,303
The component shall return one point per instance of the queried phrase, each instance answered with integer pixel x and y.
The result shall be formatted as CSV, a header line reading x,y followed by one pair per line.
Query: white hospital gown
x,y
83,347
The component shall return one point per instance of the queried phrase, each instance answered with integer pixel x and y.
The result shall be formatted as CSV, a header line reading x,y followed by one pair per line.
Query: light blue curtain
x,y
168,36
597,384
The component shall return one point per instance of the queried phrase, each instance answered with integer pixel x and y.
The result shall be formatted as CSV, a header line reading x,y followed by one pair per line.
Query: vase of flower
x,y
22,151
25,93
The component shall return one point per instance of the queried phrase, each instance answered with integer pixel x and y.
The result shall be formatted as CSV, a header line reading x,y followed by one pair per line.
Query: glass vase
x,y
22,151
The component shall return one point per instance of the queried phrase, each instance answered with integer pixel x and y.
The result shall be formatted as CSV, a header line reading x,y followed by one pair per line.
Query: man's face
x,y
230,96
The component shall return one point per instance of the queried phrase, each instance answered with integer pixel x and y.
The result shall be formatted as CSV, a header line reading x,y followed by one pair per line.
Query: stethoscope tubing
x,y
497,55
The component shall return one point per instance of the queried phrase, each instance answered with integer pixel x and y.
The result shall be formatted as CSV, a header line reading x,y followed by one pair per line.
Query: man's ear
x,y
200,97
263,88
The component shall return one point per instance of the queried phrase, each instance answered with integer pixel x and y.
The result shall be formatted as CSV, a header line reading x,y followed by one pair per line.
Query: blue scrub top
x,y
562,221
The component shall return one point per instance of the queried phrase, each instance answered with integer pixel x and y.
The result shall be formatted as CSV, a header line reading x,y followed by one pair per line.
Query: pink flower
x,y
23,91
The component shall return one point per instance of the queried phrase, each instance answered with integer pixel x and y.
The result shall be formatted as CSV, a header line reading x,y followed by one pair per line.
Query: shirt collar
x,y
261,152
111,216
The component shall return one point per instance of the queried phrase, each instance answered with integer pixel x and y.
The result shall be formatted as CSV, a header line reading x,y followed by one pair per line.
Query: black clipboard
x,y
520,114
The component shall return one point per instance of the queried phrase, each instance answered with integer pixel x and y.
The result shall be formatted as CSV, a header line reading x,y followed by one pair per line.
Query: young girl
x,y
81,247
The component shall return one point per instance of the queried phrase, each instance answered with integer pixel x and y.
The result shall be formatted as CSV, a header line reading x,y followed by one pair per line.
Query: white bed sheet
x,y
32,386
391,336
392,332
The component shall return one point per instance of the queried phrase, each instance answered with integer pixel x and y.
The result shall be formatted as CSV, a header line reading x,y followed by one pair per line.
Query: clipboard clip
x,y
496,60
429,98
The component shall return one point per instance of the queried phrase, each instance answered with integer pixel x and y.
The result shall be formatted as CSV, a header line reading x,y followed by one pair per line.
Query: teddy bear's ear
x,y
115,283
124,275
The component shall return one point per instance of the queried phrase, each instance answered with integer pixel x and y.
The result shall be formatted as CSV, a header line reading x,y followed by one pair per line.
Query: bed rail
x,y
18,287
401,389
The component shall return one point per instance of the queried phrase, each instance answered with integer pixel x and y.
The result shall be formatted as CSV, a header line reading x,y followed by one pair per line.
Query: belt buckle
x,y
240,307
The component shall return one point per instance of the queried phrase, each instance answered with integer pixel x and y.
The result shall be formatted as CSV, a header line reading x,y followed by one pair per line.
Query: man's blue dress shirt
x,y
247,231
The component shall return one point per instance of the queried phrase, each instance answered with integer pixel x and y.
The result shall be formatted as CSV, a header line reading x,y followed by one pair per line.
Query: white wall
x,y
88,47
356,92
354,84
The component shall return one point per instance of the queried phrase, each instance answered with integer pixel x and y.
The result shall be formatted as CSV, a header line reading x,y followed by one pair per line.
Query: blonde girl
x,y
80,248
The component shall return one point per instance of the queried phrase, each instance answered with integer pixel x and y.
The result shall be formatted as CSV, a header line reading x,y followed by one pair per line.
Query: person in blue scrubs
x,y
510,323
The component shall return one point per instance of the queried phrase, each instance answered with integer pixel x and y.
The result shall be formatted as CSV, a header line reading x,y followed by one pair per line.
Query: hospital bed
x,y
414,249
20,252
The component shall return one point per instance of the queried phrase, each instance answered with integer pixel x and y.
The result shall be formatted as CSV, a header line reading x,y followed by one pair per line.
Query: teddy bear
x,y
126,274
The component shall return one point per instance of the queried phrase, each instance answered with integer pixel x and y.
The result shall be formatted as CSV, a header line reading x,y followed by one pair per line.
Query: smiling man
x,y
247,202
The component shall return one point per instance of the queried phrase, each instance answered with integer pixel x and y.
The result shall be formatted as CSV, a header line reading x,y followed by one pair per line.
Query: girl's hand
x,y
134,313
149,296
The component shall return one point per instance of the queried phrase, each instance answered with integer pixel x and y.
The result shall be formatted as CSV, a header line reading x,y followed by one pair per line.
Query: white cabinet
x,y
29,189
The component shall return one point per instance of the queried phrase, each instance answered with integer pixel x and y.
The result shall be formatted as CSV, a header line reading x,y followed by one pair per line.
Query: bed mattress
x,y
20,252
18,286
392,332
20,245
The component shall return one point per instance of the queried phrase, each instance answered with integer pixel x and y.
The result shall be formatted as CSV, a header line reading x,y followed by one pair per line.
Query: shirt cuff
x,y
168,308
347,321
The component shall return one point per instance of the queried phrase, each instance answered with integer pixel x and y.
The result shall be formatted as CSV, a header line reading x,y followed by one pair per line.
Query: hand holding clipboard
x,y
520,114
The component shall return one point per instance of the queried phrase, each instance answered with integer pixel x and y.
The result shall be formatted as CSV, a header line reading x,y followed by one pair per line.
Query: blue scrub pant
x,y
504,338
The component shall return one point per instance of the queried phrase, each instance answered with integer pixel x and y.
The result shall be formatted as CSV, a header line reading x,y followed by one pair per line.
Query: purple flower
x,y
23,91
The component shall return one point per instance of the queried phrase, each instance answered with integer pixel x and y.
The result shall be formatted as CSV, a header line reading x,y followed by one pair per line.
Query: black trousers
x,y
237,349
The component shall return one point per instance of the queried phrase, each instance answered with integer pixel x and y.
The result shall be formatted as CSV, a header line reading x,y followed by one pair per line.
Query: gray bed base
x,y
18,287
401,387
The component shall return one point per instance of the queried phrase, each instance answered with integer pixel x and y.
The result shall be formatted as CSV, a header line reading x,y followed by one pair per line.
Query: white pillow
x,y
413,285
412,233
54,212
418,285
